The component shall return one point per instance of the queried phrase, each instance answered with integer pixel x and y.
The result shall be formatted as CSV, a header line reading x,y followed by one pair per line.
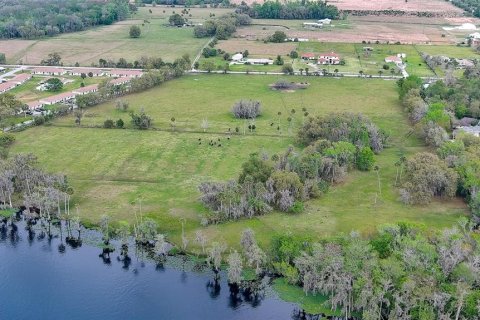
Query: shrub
x,y
38,121
278,37
135,32
365,159
119,124
141,121
246,109
108,124
287,68
122,105
6,140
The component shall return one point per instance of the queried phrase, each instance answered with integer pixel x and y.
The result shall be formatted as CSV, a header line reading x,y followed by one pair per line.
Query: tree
x,y
278,37
208,66
83,76
257,168
53,59
54,84
176,20
287,68
141,120
294,54
3,59
135,32
9,105
279,61
119,124
246,109
365,159
235,268
108,124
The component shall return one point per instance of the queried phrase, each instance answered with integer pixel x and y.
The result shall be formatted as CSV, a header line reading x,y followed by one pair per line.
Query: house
x,y
21,78
4,87
49,71
62,97
237,57
32,105
309,56
87,71
125,73
312,25
85,90
475,35
259,61
329,58
467,129
325,21
120,81
394,59
464,63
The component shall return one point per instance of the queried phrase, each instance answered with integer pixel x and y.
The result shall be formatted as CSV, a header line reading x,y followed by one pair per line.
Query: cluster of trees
x,y
148,80
471,6
223,27
290,10
53,85
246,109
284,182
30,19
402,272
278,37
44,196
135,32
143,63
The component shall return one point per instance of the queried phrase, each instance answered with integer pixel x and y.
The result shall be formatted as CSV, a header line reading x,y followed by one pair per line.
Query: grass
x,y
449,51
123,172
113,42
356,60
313,304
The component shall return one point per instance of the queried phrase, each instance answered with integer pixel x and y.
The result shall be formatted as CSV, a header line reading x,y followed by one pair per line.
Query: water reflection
x,y
57,274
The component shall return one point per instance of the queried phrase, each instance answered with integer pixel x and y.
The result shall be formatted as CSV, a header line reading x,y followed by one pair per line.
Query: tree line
x,y
221,28
335,144
290,10
471,6
31,19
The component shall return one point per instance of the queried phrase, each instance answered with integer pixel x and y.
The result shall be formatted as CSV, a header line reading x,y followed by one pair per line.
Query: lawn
x,y
123,172
371,63
113,42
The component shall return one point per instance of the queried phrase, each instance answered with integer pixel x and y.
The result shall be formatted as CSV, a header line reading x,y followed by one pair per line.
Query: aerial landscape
x,y
229,159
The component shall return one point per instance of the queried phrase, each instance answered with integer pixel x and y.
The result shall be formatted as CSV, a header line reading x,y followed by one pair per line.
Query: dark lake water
x,y
39,282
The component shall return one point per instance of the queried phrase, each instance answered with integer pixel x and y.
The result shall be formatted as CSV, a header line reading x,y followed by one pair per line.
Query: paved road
x,y
11,72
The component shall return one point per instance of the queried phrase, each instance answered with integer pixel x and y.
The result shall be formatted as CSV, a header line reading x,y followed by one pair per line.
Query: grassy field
x,y
123,172
113,42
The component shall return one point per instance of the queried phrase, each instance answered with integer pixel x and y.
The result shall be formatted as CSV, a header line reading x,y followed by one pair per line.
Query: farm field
x,y
113,42
156,172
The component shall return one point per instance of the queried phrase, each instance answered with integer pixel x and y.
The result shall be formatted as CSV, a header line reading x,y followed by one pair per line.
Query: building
x,y
125,73
4,87
467,129
325,21
393,59
312,25
32,105
309,56
87,71
62,97
259,61
120,81
329,58
49,71
85,90
237,57
21,78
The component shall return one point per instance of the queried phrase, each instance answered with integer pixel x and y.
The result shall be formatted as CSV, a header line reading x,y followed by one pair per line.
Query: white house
x,y
126,73
309,56
325,21
467,129
32,105
49,71
4,87
237,57
94,72
85,90
20,78
394,59
312,25
259,61
329,58
62,97
120,81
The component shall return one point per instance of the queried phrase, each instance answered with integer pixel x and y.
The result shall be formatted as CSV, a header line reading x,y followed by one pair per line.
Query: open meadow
x,y
156,172
158,39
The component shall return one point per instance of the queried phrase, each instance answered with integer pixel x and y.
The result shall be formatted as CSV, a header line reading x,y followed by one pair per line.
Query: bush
x,y
119,124
297,207
141,121
278,37
176,20
287,68
135,32
108,124
6,140
38,121
365,159
246,109
122,105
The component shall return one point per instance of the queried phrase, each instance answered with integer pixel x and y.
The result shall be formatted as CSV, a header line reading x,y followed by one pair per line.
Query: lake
x,y
39,281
